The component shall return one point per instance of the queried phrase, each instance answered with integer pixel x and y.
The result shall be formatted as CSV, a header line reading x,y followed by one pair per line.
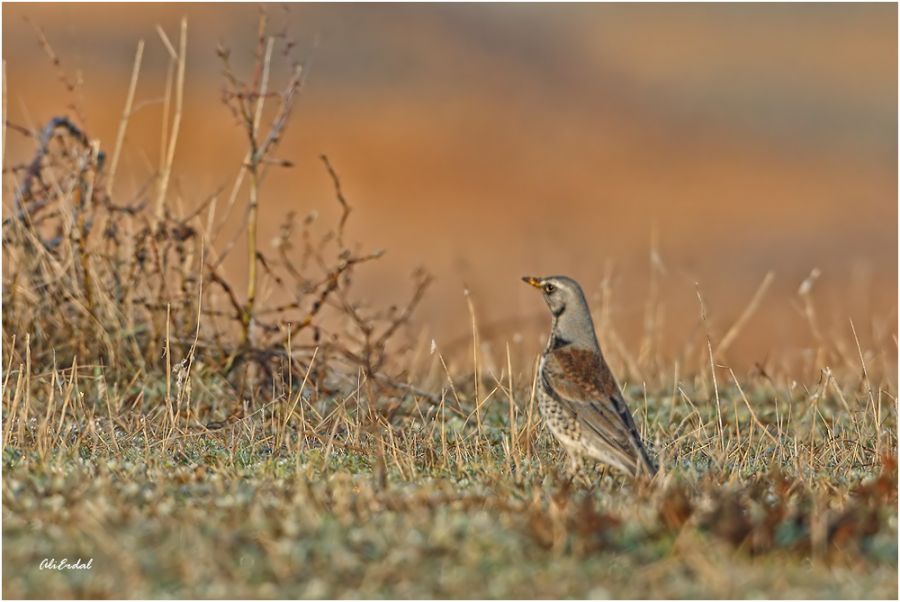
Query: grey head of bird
x,y
572,323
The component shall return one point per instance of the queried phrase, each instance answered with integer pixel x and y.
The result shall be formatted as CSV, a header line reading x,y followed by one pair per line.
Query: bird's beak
x,y
535,282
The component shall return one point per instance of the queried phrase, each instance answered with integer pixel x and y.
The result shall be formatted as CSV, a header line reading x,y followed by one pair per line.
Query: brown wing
x,y
580,380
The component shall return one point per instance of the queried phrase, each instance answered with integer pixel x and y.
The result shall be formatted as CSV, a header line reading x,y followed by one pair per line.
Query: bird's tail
x,y
647,464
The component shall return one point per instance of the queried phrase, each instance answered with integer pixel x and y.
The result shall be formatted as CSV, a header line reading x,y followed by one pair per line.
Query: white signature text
x,y
65,565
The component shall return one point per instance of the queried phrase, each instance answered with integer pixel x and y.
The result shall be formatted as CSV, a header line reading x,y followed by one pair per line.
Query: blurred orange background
x,y
487,142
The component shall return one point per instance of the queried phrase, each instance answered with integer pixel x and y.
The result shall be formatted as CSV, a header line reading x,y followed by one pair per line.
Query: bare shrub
x,y
135,286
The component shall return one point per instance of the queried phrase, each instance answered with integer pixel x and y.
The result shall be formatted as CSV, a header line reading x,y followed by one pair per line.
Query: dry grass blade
x,y
732,333
126,114
181,58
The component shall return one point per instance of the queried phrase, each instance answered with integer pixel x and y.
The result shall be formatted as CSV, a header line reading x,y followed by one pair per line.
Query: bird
x,y
578,396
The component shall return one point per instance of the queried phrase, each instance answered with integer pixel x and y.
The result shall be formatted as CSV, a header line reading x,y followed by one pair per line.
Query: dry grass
x,y
196,442
336,499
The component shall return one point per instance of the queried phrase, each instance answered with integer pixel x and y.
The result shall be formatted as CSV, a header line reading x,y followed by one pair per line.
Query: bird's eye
x,y
549,288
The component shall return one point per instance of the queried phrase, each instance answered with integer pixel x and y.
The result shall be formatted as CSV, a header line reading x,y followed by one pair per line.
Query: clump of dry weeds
x,y
137,287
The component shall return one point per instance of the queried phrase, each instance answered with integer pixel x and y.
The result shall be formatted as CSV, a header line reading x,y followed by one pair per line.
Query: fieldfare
x,y
578,395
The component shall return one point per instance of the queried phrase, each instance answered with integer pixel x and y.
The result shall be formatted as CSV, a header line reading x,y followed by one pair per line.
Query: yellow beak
x,y
535,282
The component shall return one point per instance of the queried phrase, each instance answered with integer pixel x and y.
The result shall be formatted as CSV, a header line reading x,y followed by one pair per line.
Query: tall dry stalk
x,y
126,114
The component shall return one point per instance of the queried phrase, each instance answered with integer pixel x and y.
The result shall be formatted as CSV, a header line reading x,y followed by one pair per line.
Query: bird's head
x,y
560,292
572,321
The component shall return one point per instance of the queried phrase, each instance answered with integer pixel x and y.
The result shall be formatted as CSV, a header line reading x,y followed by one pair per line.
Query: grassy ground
x,y
794,502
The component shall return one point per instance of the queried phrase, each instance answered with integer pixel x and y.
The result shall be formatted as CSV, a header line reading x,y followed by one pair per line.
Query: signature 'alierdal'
x,y
578,395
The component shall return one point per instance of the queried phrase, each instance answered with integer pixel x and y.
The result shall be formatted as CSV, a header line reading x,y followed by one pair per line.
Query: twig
x,y
340,197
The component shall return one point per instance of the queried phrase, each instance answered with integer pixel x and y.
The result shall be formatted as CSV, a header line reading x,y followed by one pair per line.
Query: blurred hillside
x,y
491,141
